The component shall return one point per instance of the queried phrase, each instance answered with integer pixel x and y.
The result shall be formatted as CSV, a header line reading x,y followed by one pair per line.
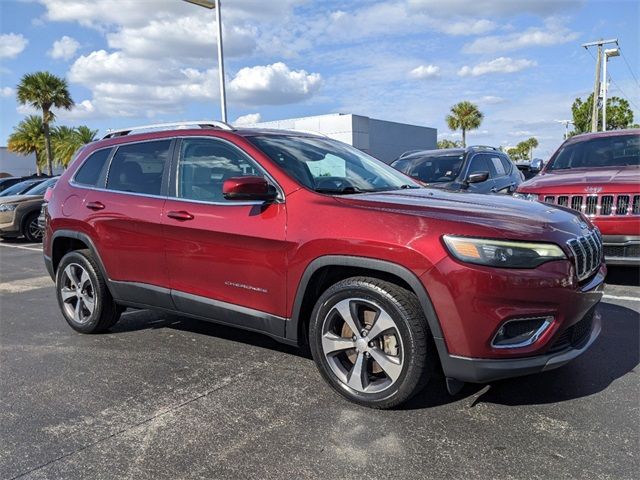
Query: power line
x,y
624,95
624,57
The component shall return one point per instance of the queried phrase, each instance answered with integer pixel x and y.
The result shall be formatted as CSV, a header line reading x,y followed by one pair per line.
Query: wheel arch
x,y
65,241
326,270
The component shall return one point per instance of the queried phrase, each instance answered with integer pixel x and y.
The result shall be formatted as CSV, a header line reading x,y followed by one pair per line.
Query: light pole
x,y
566,124
215,4
609,52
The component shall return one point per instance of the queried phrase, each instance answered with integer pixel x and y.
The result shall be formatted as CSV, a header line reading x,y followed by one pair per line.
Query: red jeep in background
x,y
597,174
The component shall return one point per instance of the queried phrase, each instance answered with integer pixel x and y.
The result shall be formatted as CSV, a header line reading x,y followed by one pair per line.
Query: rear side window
x,y
90,171
498,166
139,167
507,164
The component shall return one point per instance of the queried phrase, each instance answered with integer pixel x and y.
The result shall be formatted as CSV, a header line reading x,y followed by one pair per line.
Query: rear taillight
x,y
47,194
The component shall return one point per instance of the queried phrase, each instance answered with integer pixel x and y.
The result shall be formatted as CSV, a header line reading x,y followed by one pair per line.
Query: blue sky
x,y
133,62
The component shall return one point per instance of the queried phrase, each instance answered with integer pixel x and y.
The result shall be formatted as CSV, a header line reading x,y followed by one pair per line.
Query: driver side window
x,y
203,166
480,163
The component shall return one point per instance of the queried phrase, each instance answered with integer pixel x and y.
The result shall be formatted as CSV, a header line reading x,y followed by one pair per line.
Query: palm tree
x,y
28,138
43,90
532,143
66,141
464,116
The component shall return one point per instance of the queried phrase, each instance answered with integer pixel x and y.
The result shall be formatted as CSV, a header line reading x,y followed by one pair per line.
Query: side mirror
x,y
536,165
248,189
477,177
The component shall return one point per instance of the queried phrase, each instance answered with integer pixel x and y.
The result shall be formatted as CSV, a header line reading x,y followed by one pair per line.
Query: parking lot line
x,y
616,297
18,286
29,246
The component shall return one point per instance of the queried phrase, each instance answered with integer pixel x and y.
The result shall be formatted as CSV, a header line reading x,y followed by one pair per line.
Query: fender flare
x,y
294,324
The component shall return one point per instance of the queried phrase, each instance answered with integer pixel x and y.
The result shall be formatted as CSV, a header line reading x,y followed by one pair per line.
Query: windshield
x,y
329,166
19,188
431,169
615,151
41,187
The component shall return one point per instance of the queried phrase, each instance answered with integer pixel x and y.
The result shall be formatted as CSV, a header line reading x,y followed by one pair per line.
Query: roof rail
x,y
112,133
488,147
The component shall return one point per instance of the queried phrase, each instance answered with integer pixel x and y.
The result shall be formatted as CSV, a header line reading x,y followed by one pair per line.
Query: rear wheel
x,y
369,340
31,231
85,300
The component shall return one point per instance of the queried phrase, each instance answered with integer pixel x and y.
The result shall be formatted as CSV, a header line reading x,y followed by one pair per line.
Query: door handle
x,y
95,206
494,190
180,215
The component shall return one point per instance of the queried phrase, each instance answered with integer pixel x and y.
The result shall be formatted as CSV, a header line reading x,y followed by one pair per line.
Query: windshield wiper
x,y
340,191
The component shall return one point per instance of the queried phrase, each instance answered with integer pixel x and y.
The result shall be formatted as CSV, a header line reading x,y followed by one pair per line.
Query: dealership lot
x,y
168,397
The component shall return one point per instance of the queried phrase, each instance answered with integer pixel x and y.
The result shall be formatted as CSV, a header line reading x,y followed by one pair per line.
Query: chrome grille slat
x,y
587,253
595,205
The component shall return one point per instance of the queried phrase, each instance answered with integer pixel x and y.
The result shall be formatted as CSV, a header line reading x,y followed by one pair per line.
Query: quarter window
x,y
139,167
90,171
205,164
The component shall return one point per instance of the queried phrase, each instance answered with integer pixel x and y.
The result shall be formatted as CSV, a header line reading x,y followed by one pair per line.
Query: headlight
x,y
8,207
532,197
500,253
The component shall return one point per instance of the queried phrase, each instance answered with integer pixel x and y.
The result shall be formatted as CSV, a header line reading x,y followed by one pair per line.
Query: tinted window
x,y
89,172
205,164
329,166
479,164
41,187
19,188
498,166
507,164
431,169
138,167
614,151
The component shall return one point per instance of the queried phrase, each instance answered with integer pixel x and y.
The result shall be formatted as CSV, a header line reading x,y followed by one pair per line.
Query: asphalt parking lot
x,y
168,397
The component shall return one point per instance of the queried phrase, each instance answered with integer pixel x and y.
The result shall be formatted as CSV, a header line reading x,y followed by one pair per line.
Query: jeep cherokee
x,y
315,243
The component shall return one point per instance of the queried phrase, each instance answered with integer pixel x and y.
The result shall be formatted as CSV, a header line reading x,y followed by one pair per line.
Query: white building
x,y
380,138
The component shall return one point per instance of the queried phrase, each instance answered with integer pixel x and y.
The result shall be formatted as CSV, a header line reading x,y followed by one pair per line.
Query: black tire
x,y
105,311
30,222
416,360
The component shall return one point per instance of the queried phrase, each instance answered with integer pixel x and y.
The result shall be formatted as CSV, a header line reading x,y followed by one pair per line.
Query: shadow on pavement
x,y
627,276
615,353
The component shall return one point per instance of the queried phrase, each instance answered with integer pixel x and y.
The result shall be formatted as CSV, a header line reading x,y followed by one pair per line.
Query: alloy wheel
x,y
78,293
362,345
34,230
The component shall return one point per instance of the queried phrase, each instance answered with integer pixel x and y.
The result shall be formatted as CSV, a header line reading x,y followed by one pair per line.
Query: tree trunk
x,y
464,138
47,141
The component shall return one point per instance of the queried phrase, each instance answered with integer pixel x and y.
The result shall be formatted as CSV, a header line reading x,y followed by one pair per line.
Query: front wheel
x,y
31,230
369,340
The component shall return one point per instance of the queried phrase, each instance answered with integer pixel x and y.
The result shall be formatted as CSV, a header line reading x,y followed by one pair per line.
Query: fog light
x,y
521,332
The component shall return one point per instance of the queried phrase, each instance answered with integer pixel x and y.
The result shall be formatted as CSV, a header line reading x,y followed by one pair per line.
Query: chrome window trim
x,y
121,192
279,199
531,340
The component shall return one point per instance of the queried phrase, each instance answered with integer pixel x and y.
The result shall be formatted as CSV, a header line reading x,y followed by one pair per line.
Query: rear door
x,y
502,168
223,254
126,217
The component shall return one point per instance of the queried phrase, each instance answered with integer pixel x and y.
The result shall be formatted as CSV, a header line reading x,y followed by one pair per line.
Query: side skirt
x,y
139,295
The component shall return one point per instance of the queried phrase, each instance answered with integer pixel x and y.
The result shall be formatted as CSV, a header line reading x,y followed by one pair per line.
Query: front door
x,y
222,255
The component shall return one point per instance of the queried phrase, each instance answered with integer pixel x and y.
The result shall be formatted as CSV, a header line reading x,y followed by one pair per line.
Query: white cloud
x,y
248,119
499,65
183,38
65,48
493,7
467,27
425,71
12,45
491,100
552,34
6,92
273,84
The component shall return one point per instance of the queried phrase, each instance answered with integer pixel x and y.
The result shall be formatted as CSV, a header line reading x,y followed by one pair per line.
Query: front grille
x,y
632,251
599,205
587,253
575,336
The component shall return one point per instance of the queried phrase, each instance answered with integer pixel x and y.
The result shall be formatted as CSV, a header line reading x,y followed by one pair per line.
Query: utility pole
x,y
596,86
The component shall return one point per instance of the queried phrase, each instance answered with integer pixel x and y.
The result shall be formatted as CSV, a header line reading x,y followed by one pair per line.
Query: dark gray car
x,y
476,169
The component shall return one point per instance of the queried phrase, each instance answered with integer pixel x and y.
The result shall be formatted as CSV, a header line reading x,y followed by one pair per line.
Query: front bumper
x,y
480,370
621,249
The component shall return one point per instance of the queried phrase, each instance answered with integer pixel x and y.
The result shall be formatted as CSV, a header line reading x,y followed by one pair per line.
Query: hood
x,y
20,198
505,216
584,180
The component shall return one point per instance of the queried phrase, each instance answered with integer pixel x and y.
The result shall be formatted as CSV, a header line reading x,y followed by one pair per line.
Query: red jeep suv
x,y
597,174
311,241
